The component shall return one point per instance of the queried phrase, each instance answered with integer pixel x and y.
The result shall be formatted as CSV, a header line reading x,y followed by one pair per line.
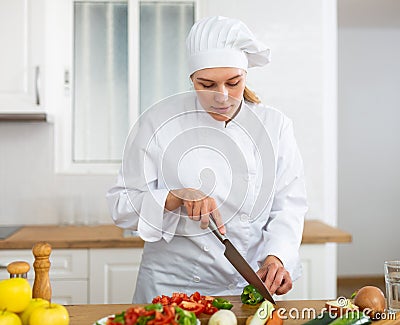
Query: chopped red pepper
x,y
181,299
192,306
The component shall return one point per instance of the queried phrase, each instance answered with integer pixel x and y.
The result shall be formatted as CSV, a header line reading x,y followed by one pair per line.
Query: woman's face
x,y
220,90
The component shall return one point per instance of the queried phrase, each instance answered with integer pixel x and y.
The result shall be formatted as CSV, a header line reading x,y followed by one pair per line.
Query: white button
x,y
206,249
196,278
244,217
231,286
246,177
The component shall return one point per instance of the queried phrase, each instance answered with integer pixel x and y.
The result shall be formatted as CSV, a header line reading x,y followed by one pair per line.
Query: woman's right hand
x,y
198,206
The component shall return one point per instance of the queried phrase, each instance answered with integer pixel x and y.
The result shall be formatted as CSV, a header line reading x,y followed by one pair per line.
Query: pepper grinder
x,y
41,285
18,269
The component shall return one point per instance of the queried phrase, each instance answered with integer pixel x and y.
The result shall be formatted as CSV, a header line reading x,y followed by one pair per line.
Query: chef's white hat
x,y
223,42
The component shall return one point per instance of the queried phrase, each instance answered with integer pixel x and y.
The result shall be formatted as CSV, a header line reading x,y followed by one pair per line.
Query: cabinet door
x,y
69,292
318,280
8,256
22,54
68,272
65,263
113,274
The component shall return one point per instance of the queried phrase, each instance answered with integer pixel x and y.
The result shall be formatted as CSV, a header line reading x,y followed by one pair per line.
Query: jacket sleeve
x,y
284,228
136,201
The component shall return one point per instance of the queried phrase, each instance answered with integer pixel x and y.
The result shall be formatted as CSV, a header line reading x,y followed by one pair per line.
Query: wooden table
x,y
294,312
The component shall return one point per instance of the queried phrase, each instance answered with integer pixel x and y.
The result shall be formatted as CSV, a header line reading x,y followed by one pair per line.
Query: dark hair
x,y
251,96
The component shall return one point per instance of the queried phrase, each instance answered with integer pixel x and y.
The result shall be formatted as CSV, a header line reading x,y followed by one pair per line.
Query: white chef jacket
x,y
251,167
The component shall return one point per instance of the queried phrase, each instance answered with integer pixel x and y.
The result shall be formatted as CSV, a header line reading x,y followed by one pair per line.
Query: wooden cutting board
x,y
295,312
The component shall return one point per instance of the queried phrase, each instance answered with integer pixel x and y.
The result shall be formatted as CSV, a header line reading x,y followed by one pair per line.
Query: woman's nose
x,y
221,95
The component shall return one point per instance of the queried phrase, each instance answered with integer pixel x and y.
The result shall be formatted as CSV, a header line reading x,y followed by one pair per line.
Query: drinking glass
x,y
392,279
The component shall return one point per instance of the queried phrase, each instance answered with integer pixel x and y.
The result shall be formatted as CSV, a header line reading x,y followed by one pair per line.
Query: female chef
x,y
216,150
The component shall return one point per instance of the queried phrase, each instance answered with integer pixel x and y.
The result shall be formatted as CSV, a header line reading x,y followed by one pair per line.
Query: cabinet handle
x,y
67,82
37,82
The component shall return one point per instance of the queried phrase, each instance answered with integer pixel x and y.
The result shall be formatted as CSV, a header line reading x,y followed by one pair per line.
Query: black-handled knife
x,y
239,263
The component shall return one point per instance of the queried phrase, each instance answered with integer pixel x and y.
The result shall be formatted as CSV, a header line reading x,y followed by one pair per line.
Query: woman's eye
x,y
233,84
207,86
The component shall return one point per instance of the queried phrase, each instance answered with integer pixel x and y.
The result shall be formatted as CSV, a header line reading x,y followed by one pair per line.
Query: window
x,y
123,56
100,87
163,29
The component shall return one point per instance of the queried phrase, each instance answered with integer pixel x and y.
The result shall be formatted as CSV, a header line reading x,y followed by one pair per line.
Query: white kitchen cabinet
x,y
80,276
70,292
22,30
68,272
113,274
318,280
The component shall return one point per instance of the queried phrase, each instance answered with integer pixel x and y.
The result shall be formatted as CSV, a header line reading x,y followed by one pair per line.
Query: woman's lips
x,y
221,109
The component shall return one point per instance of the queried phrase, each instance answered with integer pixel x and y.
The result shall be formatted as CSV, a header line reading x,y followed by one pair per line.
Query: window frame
x,y
60,96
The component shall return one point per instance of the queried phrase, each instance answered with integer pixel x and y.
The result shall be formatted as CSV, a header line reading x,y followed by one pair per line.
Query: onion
x,y
223,317
371,300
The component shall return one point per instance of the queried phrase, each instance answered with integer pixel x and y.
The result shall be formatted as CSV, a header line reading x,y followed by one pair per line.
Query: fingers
x,y
192,201
276,278
204,218
218,219
287,285
199,206
189,208
262,273
196,212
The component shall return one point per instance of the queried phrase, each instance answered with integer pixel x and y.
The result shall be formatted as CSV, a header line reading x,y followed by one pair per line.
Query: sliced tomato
x,y
177,298
195,302
210,309
208,298
163,318
137,310
195,296
145,313
163,300
130,316
169,311
192,306
131,320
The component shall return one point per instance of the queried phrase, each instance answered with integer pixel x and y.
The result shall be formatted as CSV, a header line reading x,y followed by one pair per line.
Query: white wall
x,y
30,192
369,137
300,81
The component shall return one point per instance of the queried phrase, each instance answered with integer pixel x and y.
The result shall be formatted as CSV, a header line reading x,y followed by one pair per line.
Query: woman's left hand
x,y
276,278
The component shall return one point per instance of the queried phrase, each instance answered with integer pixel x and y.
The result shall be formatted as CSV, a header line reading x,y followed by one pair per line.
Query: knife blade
x,y
239,263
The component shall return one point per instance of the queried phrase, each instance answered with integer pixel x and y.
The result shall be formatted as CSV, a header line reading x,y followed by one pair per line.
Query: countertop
x,y
110,236
293,312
